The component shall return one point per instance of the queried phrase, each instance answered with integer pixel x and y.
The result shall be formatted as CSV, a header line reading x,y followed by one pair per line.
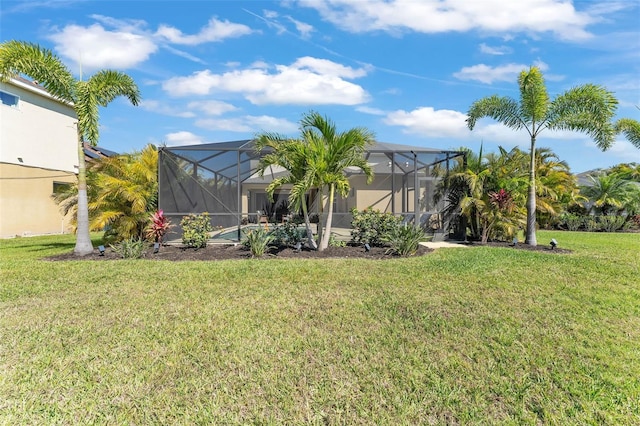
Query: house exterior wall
x,y
26,206
40,130
37,148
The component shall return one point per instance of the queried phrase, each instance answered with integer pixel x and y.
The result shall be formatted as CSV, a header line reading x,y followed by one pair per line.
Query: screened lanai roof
x,y
249,145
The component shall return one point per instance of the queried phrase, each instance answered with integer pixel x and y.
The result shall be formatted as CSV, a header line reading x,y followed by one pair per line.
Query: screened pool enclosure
x,y
221,179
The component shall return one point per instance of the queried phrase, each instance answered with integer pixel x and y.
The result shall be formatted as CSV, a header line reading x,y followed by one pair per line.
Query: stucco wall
x,y
39,132
26,207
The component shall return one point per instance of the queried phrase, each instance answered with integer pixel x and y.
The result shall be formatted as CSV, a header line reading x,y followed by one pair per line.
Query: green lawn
x,y
460,336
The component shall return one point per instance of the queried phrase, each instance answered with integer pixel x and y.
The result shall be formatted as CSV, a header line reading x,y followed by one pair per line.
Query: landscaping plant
x,y
372,226
159,226
404,240
258,241
196,229
131,248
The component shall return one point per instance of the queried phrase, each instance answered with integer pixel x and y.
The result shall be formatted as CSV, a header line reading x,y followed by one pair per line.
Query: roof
x,y
95,152
35,87
249,145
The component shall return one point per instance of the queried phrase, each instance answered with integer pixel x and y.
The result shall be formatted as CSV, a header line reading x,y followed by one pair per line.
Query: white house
x,y
38,153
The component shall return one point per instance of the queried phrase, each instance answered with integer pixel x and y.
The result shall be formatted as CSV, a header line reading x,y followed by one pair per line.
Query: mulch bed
x,y
520,246
226,252
230,251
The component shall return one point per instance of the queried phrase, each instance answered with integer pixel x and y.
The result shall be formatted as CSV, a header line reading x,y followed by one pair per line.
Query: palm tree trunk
x,y
83,238
307,223
327,228
530,237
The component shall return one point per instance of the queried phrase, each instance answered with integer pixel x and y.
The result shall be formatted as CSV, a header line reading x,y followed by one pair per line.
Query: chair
x,y
263,218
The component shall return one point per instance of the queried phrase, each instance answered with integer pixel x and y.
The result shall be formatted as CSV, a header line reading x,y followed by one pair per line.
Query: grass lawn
x,y
461,336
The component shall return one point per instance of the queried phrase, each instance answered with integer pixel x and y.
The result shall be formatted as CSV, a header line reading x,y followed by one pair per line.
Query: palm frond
x,y
588,109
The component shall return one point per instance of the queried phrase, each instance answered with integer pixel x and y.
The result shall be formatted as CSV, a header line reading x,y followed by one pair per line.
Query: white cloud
x,y
162,107
215,30
125,43
183,138
371,111
429,122
623,150
495,50
324,66
248,124
487,74
303,28
94,47
434,16
184,54
211,107
308,81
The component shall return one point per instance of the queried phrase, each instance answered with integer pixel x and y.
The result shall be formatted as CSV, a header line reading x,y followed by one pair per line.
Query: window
x,y
9,99
60,187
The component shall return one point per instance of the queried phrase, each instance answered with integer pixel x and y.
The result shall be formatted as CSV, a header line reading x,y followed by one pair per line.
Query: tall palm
x,y
330,153
291,155
588,108
85,96
630,128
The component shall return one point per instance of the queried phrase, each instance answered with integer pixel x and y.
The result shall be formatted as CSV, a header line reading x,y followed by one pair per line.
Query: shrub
x,y
258,241
335,242
371,226
195,230
611,223
572,222
287,234
131,248
591,224
404,240
159,226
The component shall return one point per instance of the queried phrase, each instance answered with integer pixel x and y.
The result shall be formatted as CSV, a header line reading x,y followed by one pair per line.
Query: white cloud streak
x,y
214,31
488,74
248,124
435,16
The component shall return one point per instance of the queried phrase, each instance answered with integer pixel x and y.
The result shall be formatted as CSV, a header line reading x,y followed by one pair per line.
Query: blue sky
x,y
214,71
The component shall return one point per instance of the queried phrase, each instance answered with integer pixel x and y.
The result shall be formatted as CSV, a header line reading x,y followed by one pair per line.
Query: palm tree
x,y
630,128
126,194
609,192
85,96
330,153
122,192
316,160
291,155
588,108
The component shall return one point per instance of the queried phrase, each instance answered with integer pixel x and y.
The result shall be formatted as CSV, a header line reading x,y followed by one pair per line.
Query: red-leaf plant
x,y
159,226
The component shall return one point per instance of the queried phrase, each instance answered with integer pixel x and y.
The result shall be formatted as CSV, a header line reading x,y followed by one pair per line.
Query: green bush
x,y
258,241
195,230
371,226
288,234
404,240
591,224
571,221
611,223
335,242
131,248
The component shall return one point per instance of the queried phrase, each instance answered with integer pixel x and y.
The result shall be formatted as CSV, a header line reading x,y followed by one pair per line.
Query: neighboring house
x,y
38,154
221,179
